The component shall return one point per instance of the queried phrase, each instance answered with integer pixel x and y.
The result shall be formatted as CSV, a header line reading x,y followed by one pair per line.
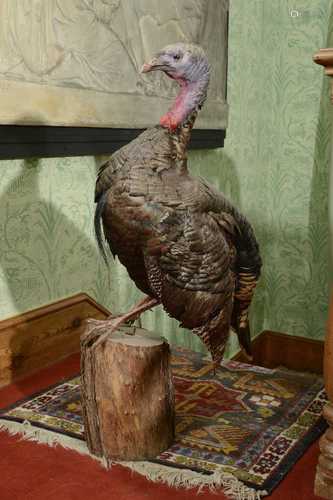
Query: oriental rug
x,y
246,423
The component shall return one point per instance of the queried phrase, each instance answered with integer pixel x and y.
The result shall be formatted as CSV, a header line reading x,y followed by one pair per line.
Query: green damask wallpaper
x,y
274,166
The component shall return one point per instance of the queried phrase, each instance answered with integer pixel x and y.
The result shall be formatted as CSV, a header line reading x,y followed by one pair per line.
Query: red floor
x,y
29,471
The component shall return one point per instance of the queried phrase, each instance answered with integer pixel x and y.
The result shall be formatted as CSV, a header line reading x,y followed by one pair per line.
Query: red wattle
x,y
169,121
175,116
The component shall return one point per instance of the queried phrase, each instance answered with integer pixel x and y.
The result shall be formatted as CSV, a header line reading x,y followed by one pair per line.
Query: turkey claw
x,y
100,330
97,331
95,323
101,339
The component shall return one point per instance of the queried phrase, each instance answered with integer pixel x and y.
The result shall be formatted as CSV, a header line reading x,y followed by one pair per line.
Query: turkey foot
x,y
98,334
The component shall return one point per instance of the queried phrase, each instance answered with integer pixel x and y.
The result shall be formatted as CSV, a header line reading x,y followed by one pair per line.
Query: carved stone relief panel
x,y
77,62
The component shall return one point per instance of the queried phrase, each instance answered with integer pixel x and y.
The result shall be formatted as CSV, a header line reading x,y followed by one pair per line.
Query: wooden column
x,y
324,474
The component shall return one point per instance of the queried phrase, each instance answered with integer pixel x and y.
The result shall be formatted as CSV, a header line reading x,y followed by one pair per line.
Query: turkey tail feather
x,y
244,339
98,226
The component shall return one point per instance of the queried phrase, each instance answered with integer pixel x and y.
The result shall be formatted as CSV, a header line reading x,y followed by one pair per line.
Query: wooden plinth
x,y
127,395
324,475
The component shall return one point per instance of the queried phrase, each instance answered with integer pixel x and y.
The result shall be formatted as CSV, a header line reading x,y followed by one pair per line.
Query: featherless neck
x,y
181,117
190,99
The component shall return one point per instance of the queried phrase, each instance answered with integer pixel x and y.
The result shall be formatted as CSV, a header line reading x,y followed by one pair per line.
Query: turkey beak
x,y
153,65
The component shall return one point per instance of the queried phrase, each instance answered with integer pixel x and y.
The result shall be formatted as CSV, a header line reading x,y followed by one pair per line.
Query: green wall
x,y
274,166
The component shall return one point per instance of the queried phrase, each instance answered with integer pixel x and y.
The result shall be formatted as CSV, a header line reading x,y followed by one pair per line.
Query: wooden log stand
x,y
127,395
324,474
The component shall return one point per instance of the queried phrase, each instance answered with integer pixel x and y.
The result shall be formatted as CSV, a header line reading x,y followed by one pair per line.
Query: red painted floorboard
x,y
30,471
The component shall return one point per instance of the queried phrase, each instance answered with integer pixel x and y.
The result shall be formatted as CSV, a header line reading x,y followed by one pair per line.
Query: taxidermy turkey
x,y
183,244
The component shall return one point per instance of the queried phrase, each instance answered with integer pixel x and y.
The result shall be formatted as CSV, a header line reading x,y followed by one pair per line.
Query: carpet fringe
x,y
232,487
177,478
29,432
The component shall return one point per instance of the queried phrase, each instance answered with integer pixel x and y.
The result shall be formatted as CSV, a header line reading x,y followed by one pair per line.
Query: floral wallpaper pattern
x,y
274,166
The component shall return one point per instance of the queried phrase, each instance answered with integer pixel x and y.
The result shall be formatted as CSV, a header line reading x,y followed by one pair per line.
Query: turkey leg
x,y
112,323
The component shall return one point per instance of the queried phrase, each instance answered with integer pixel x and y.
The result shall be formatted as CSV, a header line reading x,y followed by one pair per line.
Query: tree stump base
x,y
127,395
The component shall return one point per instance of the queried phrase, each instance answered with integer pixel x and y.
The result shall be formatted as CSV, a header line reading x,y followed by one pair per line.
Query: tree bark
x,y
127,395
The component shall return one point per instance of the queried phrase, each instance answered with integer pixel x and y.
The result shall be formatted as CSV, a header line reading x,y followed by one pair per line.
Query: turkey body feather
x,y
181,241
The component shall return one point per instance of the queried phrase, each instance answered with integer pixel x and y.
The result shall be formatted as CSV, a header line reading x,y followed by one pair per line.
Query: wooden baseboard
x,y
41,337
272,349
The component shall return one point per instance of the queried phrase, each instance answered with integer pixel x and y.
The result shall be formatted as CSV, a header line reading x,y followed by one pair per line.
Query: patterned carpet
x,y
249,421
